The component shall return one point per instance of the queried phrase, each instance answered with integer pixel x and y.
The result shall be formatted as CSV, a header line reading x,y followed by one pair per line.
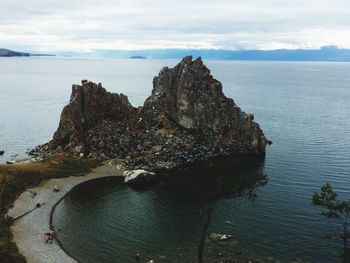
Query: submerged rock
x,y
186,118
223,238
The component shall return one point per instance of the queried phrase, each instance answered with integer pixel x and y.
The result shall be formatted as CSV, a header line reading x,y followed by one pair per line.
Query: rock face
x,y
191,98
186,118
92,110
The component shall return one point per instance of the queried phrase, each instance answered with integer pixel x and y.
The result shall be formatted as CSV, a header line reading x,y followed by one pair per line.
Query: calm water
x,y
302,107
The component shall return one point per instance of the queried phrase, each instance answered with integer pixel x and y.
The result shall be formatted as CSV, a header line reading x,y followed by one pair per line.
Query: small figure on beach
x,y
48,238
55,189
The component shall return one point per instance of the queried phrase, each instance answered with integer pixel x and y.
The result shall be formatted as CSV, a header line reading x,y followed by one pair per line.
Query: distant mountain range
x,y
10,53
327,53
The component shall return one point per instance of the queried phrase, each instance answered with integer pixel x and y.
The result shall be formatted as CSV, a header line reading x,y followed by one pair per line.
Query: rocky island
x,y
186,118
137,57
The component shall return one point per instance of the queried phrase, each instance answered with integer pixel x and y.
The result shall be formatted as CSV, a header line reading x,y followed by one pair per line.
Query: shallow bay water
x,y
303,107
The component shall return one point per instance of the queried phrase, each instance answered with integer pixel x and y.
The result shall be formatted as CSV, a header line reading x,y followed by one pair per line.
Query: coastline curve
x,y
28,231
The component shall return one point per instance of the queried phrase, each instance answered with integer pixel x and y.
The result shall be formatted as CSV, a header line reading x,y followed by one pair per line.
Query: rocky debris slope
x,y
186,118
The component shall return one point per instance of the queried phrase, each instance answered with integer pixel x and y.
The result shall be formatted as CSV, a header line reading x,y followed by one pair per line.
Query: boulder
x,y
138,177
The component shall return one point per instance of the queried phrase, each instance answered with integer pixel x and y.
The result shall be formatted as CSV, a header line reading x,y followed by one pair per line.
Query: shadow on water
x,y
210,181
222,177
206,182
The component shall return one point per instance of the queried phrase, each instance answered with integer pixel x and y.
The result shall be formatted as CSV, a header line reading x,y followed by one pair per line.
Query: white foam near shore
x,y
28,231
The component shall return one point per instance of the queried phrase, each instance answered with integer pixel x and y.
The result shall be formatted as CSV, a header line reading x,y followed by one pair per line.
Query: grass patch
x,y
15,178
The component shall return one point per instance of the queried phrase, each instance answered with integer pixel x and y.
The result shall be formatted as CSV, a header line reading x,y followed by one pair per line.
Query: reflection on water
x,y
165,221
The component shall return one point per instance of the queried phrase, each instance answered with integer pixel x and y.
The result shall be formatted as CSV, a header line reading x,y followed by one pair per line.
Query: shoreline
x,y
29,229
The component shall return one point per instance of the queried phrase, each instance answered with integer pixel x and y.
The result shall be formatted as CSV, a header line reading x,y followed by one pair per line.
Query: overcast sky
x,y
83,25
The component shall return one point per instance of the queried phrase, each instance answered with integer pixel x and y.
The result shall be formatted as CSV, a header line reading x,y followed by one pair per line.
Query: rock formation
x,y
191,98
186,118
94,119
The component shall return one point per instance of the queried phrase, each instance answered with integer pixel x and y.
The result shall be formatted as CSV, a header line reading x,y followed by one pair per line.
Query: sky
x,y
85,25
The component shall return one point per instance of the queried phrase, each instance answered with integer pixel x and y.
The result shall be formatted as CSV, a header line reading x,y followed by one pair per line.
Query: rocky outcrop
x,y
186,118
191,98
93,111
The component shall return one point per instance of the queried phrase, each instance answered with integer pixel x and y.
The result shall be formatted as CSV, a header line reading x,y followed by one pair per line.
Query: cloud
x,y
228,24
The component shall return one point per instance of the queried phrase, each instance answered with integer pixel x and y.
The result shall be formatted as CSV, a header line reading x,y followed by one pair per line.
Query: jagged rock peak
x,y
189,96
89,105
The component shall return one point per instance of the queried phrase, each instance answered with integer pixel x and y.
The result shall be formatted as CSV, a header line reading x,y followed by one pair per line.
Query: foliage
x,y
332,208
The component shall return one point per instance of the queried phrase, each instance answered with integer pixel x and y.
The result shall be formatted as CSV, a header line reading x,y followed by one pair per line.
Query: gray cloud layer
x,y
81,25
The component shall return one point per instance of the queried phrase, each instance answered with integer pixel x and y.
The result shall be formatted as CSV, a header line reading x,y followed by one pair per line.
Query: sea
x,y
303,107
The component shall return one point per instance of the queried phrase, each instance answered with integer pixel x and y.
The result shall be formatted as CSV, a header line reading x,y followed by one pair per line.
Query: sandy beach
x,y
29,230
